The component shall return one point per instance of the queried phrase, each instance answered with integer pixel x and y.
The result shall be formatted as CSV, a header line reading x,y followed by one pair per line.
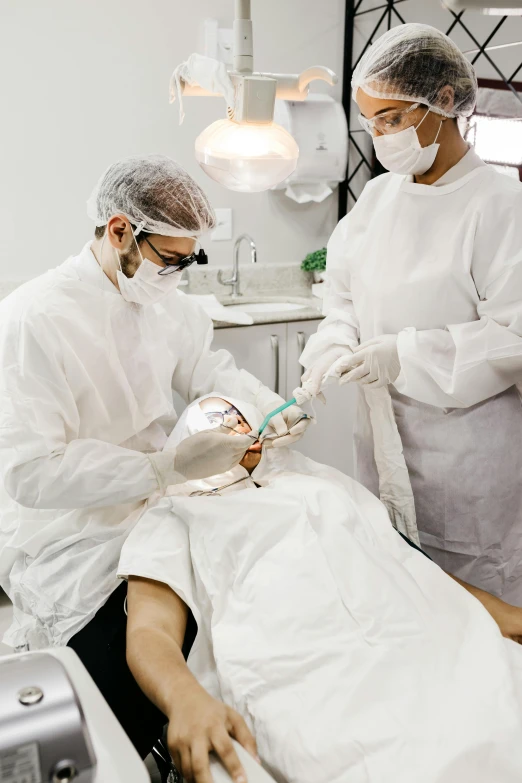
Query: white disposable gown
x,y
86,391
441,267
353,657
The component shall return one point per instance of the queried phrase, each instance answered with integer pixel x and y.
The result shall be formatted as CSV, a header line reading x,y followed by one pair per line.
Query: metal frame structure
x,y
387,16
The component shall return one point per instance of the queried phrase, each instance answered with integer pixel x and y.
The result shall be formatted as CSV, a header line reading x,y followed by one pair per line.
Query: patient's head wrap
x,y
194,420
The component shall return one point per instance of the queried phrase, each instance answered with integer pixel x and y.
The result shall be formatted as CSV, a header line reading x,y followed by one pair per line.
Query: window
x,y
495,130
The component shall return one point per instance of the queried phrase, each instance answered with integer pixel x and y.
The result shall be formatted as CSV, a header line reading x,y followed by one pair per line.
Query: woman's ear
x,y
446,99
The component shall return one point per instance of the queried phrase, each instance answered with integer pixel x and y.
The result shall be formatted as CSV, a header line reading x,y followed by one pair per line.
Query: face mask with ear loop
x,y
146,286
402,153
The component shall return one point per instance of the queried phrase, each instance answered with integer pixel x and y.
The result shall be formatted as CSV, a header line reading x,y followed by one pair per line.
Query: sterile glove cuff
x,y
163,465
266,400
405,346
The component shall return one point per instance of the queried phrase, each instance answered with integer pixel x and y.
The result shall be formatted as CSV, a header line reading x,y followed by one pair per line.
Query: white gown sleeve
x,y
43,462
201,370
341,325
467,363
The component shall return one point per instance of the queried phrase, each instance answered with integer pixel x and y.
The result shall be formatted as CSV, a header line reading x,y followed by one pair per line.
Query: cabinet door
x,y
259,349
330,441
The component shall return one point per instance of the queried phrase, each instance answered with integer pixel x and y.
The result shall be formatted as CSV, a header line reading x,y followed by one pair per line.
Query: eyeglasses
x,y
392,121
217,418
199,256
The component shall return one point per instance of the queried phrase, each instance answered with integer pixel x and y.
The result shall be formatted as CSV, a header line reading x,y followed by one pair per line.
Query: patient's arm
x,y
198,724
507,617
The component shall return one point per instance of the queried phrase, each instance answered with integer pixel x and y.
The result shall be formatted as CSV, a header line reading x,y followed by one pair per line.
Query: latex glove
x,y
313,378
210,452
375,362
286,427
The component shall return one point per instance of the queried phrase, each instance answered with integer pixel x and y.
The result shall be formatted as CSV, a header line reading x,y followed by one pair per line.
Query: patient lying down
x,y
347,654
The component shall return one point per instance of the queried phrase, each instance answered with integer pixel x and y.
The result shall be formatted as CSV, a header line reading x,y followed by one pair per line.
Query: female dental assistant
x,y
424,293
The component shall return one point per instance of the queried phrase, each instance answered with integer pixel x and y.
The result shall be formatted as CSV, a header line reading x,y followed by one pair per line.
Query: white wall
x,y
85,82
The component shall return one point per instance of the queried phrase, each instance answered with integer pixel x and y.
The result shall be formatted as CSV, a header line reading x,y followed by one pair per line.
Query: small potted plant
x,y
315,262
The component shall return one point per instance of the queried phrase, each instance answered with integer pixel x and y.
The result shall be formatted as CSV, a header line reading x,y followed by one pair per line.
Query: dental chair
x,y
55,727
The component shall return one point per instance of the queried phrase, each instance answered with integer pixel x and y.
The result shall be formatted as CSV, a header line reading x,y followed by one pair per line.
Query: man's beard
x,y
130,261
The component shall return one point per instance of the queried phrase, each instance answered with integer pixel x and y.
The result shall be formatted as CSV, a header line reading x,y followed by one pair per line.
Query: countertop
x,y
311,311
259,283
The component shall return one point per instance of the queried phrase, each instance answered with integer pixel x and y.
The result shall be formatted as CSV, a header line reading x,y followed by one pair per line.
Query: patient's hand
x,y
198,725
507,617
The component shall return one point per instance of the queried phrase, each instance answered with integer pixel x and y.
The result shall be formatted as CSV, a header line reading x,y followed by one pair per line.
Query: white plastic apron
x,y
465,468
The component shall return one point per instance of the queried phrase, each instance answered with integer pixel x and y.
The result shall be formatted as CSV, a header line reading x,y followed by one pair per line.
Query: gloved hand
x,y
374,362
313,377
210,452
286,427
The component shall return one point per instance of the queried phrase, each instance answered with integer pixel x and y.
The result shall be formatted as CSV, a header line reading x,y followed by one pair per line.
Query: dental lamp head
x,y
247,151
246,157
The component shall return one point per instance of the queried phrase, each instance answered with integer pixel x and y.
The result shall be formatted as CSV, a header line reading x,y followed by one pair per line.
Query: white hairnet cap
x,y
415,62
155,194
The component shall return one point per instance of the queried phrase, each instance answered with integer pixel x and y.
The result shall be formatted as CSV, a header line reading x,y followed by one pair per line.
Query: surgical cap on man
x,y
155,194
416,62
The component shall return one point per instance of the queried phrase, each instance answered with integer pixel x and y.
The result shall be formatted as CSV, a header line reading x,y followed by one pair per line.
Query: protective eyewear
x,y
217,419
199,256
392,121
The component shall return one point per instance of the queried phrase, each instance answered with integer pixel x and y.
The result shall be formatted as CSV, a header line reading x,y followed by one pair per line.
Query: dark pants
x,y
101,648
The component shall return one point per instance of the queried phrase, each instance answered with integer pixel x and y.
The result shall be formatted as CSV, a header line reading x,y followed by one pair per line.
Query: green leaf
x,y
315,262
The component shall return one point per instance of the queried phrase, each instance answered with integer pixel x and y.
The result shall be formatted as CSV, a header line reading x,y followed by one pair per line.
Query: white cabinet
x,y
330,440
271,353
259,349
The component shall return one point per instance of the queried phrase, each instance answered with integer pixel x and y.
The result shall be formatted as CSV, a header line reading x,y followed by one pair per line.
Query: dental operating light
x,y
246,151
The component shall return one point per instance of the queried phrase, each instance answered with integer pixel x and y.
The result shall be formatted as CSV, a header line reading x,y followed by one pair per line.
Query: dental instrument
x,y
215,492
301,396
275,412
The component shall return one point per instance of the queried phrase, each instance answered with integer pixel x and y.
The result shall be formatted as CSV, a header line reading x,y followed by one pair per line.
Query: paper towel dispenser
x,y
319,126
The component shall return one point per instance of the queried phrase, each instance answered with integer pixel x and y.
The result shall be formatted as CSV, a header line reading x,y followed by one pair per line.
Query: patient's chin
x,y
251,460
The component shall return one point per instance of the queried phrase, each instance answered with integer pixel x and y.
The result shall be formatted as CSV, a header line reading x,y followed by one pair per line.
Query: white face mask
x,y
403,153
146,286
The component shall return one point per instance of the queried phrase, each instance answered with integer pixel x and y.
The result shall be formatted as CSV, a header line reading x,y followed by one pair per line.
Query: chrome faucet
x,y
234,280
